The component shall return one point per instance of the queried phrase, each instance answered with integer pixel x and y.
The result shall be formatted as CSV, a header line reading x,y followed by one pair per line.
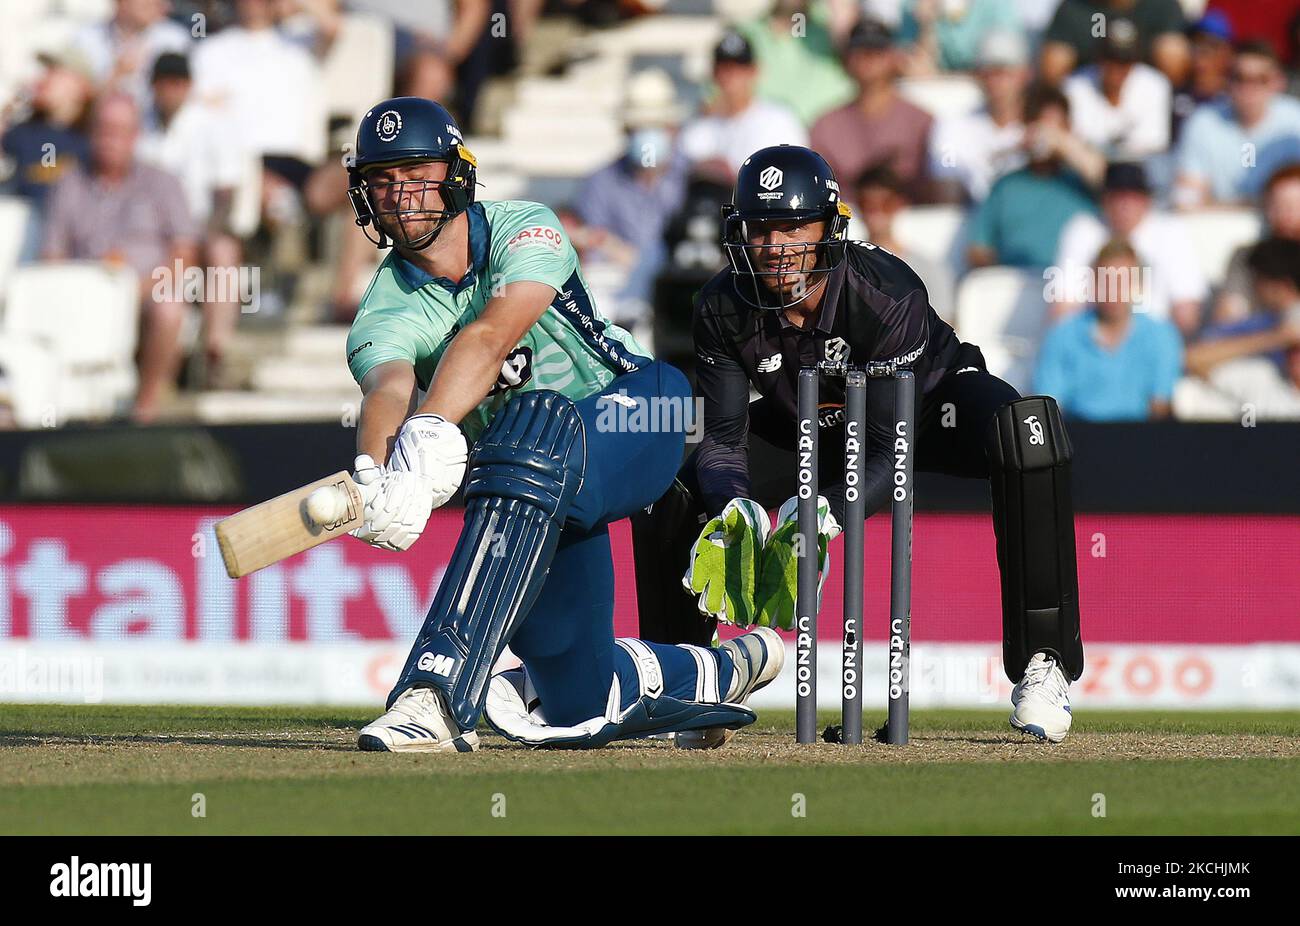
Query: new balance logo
x,y
770,364
437,664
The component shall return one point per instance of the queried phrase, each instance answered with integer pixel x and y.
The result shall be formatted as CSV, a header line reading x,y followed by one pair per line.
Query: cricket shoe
x,y
418,722
756,658
1041,700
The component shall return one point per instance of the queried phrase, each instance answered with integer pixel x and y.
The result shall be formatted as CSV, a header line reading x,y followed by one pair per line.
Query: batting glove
x,y
397,505
432,447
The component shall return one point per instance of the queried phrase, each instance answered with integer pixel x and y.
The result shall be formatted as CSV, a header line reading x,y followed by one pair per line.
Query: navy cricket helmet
x,y
397,132
792,185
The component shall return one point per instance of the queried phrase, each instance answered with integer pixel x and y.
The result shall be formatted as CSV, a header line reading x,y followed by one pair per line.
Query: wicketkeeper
x,y
797,293
479,329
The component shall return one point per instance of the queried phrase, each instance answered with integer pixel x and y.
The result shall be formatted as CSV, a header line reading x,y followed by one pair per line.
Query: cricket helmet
x,y
783,183
409,130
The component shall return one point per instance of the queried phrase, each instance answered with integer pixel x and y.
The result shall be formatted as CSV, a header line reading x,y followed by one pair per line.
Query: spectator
x,y
1231,147
1177,284
183,138
735,124
123,212
880,197
1020,222
51,141
122,50
624,206
1207,80
941,36
797,64
1268,21
1282,220
1107,363
1071,40
1274,266
970,151
267,86
879,126
1120,105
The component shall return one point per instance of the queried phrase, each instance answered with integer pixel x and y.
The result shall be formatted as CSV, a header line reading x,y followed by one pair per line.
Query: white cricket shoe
x,y
757,657
418,722
1041,700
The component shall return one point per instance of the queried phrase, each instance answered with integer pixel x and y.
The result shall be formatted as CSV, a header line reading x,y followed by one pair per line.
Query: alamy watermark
x,y
628,414
26,677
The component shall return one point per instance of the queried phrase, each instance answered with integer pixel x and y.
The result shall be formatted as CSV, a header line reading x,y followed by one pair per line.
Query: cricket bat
x,y
289,524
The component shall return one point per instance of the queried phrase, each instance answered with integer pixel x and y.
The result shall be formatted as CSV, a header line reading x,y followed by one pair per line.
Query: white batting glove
x,y
397,505
432,447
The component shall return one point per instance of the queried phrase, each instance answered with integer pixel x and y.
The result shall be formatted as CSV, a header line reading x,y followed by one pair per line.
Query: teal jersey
x,y
572,349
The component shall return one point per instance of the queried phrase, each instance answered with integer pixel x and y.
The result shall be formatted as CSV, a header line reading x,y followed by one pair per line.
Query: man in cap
x,y
736,121
878,126
1120,105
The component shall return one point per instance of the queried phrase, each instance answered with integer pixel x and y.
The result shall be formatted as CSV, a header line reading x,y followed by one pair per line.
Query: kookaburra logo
x,y
770,178
1035,431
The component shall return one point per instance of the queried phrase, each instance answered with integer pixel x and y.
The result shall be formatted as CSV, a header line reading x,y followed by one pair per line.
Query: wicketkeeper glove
x,y
724,562
779,568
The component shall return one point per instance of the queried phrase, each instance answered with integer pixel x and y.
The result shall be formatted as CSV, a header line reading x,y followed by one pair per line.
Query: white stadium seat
x,y
15,213
1216,233
1002,310
946,95
359,67
86,315
29,381
246,205
934,232
85,10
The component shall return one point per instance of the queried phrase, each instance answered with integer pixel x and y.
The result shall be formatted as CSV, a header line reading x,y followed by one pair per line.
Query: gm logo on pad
x,y
770,178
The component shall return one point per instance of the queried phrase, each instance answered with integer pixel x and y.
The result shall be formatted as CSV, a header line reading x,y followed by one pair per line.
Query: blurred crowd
x,y
1094,131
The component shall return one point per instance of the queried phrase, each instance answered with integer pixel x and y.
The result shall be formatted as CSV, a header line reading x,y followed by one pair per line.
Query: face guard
x,y
415,201
771,289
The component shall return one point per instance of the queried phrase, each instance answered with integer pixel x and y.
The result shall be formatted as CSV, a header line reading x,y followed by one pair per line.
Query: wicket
x,y
900,586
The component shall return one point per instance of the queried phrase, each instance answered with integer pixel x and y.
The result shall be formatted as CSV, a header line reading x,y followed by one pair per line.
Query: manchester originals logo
x,y
770,178
389,125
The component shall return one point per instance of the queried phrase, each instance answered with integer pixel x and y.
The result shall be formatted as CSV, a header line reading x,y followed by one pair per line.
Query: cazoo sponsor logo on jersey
x,y
536,236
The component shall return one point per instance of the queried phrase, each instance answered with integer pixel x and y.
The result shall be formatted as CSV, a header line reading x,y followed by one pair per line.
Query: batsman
x,y
486,368
796,293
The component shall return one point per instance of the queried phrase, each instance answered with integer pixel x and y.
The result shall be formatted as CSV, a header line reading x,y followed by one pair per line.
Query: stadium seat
x,y
85,10
1002,310
29,381
1216,233
359,67
15,213
935,232
246,208
86,315
946,95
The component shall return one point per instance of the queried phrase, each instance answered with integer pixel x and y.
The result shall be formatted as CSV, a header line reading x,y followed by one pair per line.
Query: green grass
x,y
137,769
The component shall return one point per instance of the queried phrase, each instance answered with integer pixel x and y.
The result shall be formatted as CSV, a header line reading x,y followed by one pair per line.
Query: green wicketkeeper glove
x,y
724,562
779,570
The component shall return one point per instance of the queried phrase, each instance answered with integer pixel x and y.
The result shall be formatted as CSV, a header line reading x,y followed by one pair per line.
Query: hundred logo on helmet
x,y
396,133
783,184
